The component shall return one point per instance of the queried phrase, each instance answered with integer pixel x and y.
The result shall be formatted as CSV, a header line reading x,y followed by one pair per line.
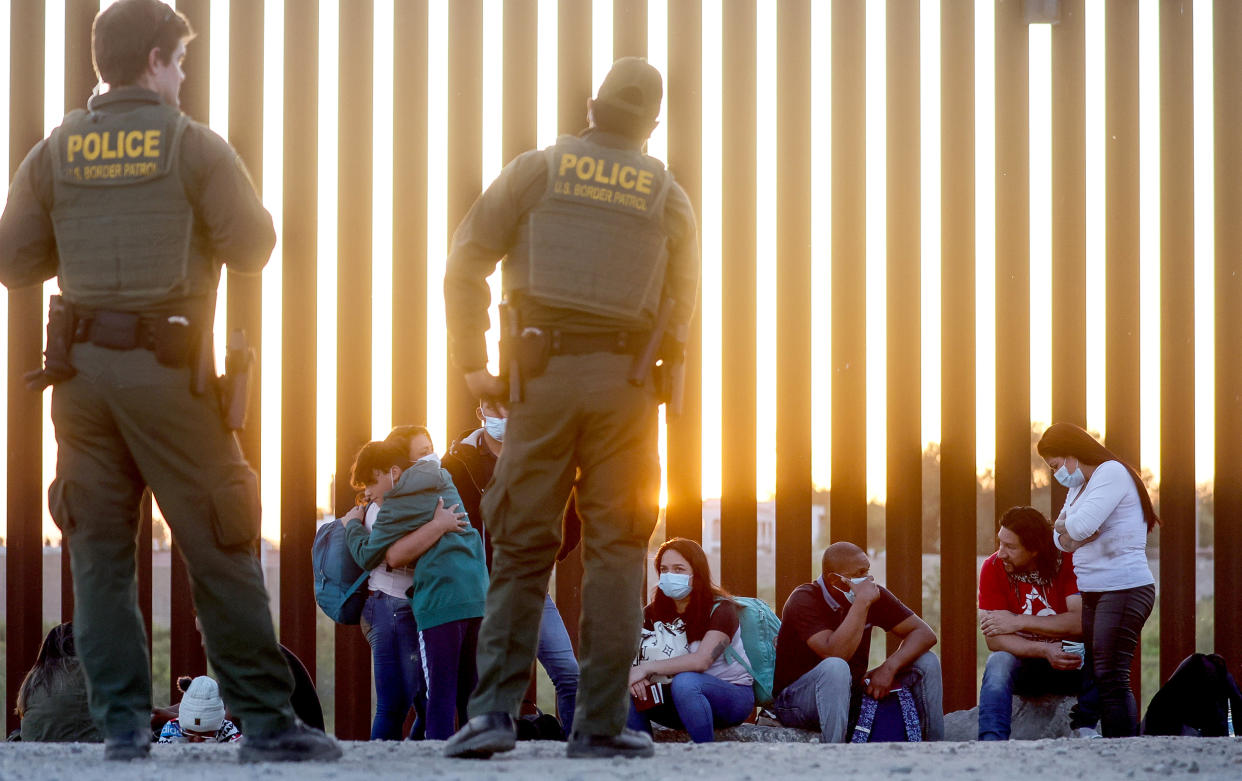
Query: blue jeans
x,y
1006,675
388,624
1112,622
697,703
821,698
556,654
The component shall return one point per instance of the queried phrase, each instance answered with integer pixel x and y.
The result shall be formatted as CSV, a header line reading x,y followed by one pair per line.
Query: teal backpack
x,y
759,627
338,578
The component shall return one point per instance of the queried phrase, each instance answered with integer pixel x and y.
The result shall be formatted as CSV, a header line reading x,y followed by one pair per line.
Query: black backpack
x,y
1198,699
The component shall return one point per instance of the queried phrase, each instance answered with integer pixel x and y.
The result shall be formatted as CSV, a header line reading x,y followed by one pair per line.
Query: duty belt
x,y
624,342
169,337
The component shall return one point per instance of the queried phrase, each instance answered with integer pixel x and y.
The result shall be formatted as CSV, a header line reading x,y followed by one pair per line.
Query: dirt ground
x,y
1055,760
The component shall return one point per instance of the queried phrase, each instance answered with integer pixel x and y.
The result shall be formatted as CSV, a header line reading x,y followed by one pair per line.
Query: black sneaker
x,y
483,736
299,743
127,746
630,743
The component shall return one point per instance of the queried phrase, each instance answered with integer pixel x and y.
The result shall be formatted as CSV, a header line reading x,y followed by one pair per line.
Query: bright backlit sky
x,y
710,218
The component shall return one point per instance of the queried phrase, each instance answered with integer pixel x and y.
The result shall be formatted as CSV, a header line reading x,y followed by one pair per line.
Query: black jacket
x,y
471,464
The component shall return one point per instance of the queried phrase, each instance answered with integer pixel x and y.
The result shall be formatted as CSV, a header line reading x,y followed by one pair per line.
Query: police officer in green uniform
x,y
599,246
134,207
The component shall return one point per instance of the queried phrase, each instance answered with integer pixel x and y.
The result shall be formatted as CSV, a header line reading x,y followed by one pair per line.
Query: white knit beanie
x,y
202,710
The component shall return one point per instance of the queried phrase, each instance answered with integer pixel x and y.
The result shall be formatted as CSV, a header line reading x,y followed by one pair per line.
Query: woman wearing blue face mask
x,y
1105,522
705,688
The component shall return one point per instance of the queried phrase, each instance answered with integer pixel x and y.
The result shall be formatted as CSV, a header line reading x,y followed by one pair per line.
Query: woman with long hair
x,y
1105,522
51,701
706,684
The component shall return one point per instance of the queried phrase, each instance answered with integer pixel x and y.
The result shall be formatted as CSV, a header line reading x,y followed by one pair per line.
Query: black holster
x,y
235,384
61,324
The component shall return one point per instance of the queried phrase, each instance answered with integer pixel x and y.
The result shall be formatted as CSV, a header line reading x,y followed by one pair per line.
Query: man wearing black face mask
x,y
824,642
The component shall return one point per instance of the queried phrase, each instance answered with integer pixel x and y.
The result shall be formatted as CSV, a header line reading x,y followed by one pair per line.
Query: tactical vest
x,y
124,227
596,242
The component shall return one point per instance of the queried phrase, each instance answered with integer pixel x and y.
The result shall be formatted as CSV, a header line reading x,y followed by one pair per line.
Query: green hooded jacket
x,y
450,579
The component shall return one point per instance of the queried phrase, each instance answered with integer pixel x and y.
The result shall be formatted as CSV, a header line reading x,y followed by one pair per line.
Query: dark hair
x,y
124,34
1035,534
703,593
403,435
56,656
1066,439
377,457
611,119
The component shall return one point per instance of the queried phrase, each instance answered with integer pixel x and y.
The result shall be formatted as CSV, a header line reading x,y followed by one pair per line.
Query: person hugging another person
x,y
1105,522
1028,604
704,682
446,552
201,717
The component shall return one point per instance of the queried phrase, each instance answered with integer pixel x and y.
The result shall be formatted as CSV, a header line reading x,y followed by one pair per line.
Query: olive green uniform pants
x,y
580,418
122,423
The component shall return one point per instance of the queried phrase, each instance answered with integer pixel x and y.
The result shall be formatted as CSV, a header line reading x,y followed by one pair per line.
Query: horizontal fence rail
x,y
770,125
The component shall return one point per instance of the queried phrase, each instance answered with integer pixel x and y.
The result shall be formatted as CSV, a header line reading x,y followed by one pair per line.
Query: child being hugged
x,y
414,529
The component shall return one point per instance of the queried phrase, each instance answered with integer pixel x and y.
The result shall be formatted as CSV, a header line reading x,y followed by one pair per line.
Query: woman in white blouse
x,y
1105,522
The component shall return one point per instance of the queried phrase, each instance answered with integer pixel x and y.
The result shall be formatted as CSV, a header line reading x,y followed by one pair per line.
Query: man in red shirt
x,y
1028,604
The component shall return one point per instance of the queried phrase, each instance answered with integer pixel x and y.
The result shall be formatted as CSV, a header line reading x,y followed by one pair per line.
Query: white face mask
x,y
849,595
674,585
433,458
495,427
1068,479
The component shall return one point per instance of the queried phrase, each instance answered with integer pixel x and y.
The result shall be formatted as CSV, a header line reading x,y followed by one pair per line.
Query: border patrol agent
x,y
133,207
598,243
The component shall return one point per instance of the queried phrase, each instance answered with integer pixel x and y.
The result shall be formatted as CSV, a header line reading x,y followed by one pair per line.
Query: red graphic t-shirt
x,y
998,591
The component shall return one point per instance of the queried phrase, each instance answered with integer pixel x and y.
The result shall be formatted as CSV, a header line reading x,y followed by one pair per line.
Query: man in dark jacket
x,y
471,461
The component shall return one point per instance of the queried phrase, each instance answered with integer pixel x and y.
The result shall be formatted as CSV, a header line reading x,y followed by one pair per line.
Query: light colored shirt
x,y
1108,503
393,582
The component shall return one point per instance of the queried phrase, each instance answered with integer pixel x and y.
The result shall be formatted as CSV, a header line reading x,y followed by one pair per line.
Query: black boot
x,y
483,736
630,743
299,743
127,746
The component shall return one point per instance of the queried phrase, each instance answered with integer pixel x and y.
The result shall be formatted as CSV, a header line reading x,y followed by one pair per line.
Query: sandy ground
x,y
1055,760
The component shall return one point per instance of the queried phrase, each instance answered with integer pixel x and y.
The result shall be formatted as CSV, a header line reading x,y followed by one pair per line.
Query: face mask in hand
x,y
1068,480
495,427
849,595
674,585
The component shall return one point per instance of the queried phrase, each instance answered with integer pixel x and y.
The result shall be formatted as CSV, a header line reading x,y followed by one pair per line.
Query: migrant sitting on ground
x,y
201,716
1028,604
825,640
52,700
700,687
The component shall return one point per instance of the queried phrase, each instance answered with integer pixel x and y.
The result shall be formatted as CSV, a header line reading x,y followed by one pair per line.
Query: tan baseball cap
x,y
634,86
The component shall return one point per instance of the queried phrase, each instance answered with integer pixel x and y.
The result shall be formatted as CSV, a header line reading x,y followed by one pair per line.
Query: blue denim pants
x,y
388,624
821,698
556,654
697,703
1006,675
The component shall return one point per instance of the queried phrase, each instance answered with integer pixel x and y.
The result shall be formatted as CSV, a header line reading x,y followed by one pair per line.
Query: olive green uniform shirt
x,y
227,211
490,230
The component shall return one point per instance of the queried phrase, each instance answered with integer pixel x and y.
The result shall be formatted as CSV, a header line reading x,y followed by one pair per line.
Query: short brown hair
x,y
377,457
124,34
